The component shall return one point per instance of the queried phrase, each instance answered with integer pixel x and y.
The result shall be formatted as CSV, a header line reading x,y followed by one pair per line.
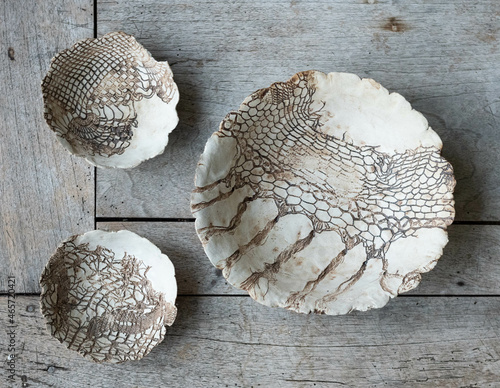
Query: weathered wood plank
x,y
45,193
221,342
469,265
442,56
194,273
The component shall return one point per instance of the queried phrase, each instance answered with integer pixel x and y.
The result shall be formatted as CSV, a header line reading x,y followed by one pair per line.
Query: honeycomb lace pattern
x,y
274,130
90,91
102,306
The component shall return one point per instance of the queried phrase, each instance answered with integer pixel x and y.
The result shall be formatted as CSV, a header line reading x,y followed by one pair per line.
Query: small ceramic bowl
x,y
108,295
109,101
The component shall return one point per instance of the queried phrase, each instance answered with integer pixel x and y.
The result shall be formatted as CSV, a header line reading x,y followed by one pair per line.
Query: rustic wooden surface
x,y
469,265
442,56
45,194
234,342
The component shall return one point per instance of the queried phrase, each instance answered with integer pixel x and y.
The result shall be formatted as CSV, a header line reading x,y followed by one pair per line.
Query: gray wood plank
x,y
194,273
45,194
442,56
469,265
234,342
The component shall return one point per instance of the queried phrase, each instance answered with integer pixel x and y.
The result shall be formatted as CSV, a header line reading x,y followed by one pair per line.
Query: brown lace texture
x,y
103,306
91,88
396,195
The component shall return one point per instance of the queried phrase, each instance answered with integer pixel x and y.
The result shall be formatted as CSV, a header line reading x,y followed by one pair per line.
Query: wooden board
x,y
443,57
46,195
469,265
194,273
234,342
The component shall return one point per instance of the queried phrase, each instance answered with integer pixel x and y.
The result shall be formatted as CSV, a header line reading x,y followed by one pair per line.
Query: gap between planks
x,y
166,219
142,219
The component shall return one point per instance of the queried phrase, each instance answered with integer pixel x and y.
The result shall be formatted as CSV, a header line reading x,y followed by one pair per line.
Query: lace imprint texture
x,y
354,202
103,306
91,89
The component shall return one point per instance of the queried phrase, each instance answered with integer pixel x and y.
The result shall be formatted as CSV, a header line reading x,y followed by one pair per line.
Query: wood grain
x,y
46,195
194,273
442,56
469,265
234,342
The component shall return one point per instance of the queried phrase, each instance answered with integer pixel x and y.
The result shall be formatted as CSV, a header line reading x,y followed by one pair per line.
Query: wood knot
x,y
395,24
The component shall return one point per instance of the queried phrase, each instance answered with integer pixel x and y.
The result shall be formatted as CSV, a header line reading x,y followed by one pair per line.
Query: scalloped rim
x,y
68,146
156,280
367,82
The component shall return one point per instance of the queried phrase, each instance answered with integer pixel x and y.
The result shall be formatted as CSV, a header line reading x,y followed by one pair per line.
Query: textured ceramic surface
x,y
108,295
110,101
325,194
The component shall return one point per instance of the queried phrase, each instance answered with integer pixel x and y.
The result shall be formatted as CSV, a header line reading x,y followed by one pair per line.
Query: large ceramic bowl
x,y
325,194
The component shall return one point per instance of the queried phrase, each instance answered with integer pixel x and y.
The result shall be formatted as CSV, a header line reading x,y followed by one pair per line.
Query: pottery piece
x,y
109,101
324,194
108,295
